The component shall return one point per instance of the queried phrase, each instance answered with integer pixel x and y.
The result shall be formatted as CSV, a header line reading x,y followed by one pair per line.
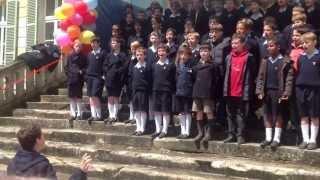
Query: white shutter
x,y
11,31
32,18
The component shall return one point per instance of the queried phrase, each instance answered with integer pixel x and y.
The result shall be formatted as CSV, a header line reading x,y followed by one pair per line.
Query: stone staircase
x,y
119,155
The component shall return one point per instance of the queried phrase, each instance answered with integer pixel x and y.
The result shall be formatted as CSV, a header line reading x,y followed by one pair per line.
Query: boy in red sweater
x,y
238,88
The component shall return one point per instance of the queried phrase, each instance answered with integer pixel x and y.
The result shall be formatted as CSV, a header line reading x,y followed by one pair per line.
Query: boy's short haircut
x,y
205,46
153,33
272,25
275,41
298,9
95,39
302,29
299,17
171,30
217,27
27,136
247,23
238,36
163,46
115,39
135,44
141,49
194,34
269,19
309,36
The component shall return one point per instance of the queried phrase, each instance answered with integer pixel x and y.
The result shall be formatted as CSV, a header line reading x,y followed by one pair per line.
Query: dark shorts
x,y
140,101
271,103
182,104
162,101
308,101
75,90
94,86
115,92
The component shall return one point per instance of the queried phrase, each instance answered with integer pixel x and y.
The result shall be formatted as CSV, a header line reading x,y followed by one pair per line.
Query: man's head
x,y
282,3
31,138
230,5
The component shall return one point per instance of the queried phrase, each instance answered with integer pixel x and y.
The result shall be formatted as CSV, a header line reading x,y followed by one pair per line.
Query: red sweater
x,y
295,53
238,61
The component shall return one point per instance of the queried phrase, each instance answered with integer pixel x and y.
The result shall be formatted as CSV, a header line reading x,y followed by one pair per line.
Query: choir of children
x,y
247,54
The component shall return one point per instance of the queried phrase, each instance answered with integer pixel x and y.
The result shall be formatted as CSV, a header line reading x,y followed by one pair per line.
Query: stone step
x,y
64,124
118,171
86,137
204,163
41,113
59,98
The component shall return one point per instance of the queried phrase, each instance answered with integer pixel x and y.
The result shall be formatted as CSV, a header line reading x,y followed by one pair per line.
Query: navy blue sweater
x,y
308,70
184,83
164,76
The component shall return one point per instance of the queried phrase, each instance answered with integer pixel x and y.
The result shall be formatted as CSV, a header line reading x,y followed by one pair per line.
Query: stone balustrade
x,y
18,83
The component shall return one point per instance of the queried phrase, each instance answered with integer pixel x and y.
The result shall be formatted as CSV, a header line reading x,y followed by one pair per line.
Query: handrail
x,y
18,83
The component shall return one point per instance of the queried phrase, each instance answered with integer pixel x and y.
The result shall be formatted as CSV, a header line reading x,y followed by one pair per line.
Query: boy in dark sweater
x,y
308,91
115,70
238,88
94,79
141,84
274,87
163,75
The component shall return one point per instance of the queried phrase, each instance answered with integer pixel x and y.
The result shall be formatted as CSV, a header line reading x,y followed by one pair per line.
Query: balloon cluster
x,y
76,22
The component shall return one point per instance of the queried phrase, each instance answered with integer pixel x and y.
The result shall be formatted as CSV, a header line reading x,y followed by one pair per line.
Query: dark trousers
x,y
237,111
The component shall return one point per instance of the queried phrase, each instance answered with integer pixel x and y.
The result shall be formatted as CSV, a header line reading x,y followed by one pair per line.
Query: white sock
x,y
158,120
131,112
188,123
116,109
269,134
277,134
79,108
110,109
73,107
314,133
166,121
182,118
137,117
93,111
305,132
98,112
143,121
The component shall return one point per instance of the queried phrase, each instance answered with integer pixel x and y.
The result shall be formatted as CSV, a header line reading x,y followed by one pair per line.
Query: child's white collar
x,y
275,59
140,65
163,63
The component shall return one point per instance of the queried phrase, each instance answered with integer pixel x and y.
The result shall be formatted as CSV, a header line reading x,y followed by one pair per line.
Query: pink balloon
x,y
71,1
63,39
76,19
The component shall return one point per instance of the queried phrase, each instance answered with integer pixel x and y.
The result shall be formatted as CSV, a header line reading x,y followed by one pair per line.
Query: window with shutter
x,y
11,31
31,23
3,24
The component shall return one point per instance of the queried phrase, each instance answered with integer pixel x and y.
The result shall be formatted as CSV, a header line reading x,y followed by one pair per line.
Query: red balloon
x,y
65,24
89,18
81,7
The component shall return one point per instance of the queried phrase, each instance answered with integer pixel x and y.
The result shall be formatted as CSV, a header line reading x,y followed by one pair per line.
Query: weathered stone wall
x,y
18,84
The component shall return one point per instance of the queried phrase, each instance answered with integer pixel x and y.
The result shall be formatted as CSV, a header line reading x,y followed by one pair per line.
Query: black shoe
x,y
162,135
240,140
98,119
90,120
132,121
154,135
135,133
127,121
312,146
229,139
303,145
139,133
265,143
274,145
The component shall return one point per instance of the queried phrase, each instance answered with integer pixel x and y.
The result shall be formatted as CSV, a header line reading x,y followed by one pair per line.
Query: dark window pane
x,y
50,6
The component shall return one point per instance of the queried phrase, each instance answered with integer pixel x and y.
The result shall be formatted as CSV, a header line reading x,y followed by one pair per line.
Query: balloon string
x,y
29,75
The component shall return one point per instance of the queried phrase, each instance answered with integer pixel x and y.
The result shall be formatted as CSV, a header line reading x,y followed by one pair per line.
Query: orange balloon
x,y
67,9
66,50
74,31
